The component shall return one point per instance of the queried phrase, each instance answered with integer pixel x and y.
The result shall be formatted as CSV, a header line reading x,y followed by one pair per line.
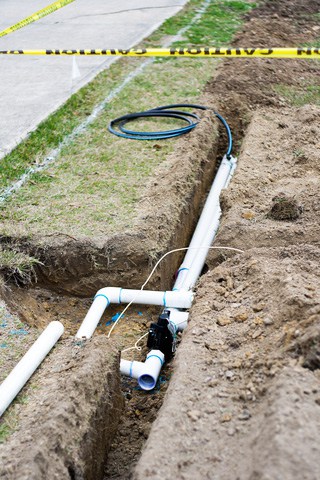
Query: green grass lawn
x,y
93,186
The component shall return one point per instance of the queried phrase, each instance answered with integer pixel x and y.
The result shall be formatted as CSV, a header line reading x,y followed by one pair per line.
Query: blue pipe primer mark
x,y
164,299
114,318
157,356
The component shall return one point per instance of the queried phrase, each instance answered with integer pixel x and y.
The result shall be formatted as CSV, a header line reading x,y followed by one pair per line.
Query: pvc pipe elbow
x,y
147,372
148,377
101,301
111,294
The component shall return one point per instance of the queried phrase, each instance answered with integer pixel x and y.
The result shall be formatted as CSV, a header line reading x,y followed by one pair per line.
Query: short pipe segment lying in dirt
x,y
21,373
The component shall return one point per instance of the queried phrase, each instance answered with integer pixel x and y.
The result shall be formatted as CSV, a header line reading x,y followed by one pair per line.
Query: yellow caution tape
x,y
36,16
207,52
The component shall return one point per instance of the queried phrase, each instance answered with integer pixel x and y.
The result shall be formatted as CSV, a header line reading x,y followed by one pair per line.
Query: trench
x,y
48,299
56,296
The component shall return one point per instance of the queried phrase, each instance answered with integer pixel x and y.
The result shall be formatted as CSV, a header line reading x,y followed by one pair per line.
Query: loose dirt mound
x,y
274,197
244,402
243,85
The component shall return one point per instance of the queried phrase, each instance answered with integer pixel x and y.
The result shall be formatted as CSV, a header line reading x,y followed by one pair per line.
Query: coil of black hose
x,y
119,125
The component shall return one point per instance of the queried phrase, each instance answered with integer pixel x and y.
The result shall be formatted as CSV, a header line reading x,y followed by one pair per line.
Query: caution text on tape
x,y
36,16
179,52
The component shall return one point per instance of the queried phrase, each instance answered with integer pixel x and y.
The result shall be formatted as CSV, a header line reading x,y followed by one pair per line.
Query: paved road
x,y
33,87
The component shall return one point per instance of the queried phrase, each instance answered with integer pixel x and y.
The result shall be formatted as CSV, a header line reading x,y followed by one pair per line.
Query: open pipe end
x,y
147,381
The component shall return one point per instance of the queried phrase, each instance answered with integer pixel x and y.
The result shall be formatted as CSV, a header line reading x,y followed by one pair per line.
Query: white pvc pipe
x,y
188,274
131,369
147,372
209,220
92,318
21,373
108,295
196,267
165,298
178,320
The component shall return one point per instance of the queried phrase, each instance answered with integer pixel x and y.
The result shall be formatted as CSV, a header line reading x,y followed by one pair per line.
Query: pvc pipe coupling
x,y
146,372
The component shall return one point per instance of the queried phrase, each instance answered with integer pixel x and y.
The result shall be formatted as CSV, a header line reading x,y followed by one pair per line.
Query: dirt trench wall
x,y
70,423
67,427
165,217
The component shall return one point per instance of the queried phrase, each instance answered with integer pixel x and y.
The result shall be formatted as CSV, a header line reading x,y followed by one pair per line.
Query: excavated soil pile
x,y
70,418
244,401
241,403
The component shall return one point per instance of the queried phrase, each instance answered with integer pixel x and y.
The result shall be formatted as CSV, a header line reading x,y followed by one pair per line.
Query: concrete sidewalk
x,y
33,87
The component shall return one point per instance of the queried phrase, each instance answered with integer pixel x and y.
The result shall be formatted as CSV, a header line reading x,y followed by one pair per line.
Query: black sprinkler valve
x,y
160,337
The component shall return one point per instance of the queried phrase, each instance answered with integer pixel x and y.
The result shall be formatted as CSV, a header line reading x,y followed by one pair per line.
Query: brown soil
x,y
141,410
240,404
244,401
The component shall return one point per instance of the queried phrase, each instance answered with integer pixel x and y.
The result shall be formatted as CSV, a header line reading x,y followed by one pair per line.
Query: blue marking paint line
x,y
21,331
3,345
161,381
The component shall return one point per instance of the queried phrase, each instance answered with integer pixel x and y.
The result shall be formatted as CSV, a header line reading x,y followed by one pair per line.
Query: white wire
x,y
136,344
155,267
